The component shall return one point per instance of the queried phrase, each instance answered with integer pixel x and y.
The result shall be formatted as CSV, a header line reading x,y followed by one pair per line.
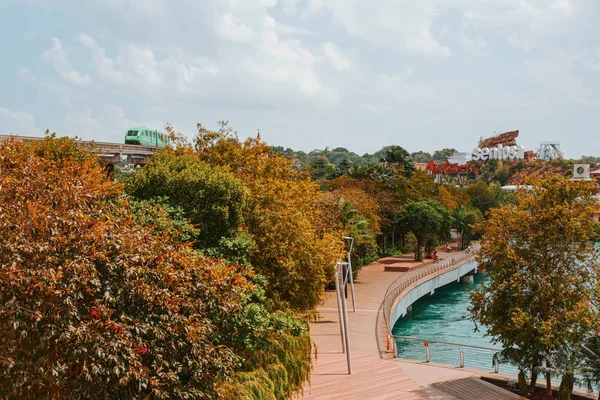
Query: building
x,y
460,158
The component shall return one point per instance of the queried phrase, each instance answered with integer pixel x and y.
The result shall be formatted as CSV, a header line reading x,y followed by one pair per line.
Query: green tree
x,y
211,196
421,157
482,196
464,219
441,156
591,359
425,219
396,155
542,265
321,169
357,226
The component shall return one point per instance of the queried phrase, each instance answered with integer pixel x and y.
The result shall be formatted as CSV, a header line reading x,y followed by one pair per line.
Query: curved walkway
x,y
374,377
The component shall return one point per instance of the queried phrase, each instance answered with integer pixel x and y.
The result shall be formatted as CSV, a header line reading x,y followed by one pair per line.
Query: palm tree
x,y
591,358
396,155
463,219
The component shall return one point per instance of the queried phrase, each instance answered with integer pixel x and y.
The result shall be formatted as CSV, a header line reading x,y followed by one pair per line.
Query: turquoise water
x,y
443,317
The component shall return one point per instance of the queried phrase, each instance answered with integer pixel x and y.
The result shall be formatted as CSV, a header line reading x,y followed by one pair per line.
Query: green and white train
x,y
146,137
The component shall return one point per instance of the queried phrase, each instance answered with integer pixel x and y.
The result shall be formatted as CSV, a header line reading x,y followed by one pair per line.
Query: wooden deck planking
x,y
474,388
372,378
375,378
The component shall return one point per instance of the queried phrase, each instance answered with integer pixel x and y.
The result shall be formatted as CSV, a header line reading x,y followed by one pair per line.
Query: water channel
x,y
443,317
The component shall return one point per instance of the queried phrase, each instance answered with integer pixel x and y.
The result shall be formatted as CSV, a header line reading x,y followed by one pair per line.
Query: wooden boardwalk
x,y
473,388
373,377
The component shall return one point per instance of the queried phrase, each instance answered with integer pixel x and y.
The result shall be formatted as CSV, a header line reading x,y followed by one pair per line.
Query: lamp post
x,y
349,271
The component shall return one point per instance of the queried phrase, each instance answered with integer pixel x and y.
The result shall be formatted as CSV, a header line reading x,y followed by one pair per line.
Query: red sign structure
x,y
450,169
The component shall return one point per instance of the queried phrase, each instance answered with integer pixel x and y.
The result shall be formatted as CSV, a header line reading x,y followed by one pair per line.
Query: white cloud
x,y
328,63
367,107
559,83
402,87
336,58
58,58
474,44
590,59
26,75
18,123
233,30
109,125
266,59
290,7
564,6
137,66
400,25
515,41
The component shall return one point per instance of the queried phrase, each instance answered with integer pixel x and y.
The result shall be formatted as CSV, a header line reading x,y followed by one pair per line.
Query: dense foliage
x,y
543,267
196,278
211,197
294,250
94,297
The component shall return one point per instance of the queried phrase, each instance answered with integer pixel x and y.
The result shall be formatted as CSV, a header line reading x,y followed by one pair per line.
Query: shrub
x,y
97,302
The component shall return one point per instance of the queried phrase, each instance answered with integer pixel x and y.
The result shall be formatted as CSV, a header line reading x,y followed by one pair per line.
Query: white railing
x,y
393,294
449,353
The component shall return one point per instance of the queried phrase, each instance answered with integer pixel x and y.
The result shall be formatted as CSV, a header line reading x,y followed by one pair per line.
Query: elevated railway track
x,y
107,152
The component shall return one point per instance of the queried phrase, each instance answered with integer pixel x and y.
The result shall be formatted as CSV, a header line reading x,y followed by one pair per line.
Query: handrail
x,y
402,283
467,356
442,342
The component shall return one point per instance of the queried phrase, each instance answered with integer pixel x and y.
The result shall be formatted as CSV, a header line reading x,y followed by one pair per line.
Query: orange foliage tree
x,y
389,202
294,251
95,302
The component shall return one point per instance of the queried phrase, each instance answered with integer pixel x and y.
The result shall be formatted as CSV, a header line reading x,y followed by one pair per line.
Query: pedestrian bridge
x,y
413,285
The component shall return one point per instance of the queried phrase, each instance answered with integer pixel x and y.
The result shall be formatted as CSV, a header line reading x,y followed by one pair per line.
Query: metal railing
x,y
393,294
449,353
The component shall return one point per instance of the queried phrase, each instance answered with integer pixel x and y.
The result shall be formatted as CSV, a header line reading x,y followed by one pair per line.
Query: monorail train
x,y
146,137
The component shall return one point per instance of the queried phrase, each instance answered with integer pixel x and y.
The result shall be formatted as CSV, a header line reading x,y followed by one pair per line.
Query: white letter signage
x,y
498,153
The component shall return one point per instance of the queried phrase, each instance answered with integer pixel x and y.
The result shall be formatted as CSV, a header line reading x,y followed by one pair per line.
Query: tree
x,y
322,169
425,219
211,196
591,358
422,187
482,196
354,213
516,357
396,155
421,157
464,220
95,296
542,265
294,252
441,156
389,201
451,196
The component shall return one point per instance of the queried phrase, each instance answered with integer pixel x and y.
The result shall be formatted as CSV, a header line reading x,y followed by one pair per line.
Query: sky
x,y
308,74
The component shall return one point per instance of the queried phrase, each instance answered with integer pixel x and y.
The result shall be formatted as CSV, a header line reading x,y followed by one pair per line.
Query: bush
x,y
94,297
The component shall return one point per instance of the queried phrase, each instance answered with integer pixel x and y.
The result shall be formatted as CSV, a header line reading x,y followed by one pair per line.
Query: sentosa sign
x,y
498,153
